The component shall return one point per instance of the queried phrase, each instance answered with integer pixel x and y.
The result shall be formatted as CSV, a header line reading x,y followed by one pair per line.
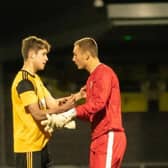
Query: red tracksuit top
x,y
103,103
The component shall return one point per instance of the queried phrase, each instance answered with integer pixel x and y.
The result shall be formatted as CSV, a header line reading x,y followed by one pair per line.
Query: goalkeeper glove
x,y
59,121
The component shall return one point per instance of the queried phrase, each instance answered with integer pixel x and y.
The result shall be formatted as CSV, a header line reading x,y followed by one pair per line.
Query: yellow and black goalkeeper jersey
x,y
28,134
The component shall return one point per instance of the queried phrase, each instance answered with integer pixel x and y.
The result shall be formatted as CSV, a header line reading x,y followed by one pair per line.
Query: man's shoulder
x,y
105,68
24,85
22,81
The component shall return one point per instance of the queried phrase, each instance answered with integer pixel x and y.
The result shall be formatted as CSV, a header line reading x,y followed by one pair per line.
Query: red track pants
x,y
107,151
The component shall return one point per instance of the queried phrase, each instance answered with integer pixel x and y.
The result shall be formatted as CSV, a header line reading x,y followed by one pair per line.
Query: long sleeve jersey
x,y
103,103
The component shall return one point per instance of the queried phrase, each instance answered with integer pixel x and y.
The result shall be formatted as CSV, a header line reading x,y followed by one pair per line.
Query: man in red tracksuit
x,y
102,107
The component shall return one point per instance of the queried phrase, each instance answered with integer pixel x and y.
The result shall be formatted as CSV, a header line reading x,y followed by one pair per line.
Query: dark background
x,y
64,22
126,48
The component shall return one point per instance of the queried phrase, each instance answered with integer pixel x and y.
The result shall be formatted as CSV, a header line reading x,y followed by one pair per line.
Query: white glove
x,y
50,128
70,125
54,120
48,123
59,121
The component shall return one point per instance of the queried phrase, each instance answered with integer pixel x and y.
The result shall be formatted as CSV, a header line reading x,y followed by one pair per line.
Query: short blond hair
x,y
33,43
88,44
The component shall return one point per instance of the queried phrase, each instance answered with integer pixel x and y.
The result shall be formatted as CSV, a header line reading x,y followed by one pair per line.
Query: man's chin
x,y
42,68
79,67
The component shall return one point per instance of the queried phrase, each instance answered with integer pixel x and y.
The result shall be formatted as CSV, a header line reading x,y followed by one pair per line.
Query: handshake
x,y
61,120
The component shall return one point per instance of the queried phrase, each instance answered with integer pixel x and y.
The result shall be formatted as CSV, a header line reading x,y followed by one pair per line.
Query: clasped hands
x,y
61,120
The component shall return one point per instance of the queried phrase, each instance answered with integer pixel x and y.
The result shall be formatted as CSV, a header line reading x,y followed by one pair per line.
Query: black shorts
x,y
39,159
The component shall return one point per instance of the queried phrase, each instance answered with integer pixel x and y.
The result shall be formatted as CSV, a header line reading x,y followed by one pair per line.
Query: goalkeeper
x,y
102,108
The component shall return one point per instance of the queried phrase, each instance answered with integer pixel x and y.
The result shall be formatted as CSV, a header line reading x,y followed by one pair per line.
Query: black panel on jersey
x,y
24,85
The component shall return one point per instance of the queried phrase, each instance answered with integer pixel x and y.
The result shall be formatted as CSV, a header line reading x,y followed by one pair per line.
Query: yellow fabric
x,y
28,134
29,159
134,102
163,105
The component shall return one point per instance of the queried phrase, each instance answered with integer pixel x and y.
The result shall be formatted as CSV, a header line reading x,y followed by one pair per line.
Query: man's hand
x,y
50,128
55,120
48,123
80,94
67,102
83,92
70,125
59,121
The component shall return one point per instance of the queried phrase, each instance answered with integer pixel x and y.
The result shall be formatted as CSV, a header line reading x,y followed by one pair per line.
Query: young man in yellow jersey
x,y
31,101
